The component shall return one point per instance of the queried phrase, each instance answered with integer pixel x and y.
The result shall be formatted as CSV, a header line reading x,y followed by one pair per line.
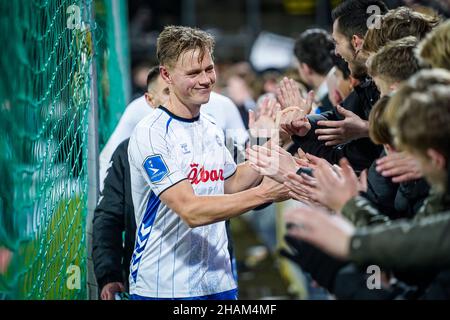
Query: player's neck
x,y
181,109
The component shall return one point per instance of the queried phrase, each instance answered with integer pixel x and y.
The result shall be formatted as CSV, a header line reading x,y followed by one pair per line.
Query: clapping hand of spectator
x,y
342,131
303,186
337,185
307,160
400,166
294,107
263,123
272,161
300,187
293,121
288,94
332,186
331,233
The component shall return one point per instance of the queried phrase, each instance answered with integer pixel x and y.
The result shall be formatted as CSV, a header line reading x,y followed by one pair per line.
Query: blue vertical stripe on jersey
x,y
144,232
167,124
174,255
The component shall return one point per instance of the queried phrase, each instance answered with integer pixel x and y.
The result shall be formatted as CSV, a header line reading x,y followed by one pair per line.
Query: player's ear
x,y
165,74
150,99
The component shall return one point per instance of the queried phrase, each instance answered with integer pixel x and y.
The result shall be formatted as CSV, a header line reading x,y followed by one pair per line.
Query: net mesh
x,y
112,59
44,104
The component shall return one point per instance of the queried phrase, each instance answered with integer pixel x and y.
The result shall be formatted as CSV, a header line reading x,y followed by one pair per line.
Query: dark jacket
x,y
423,242
410,198
114,225
360,152
381,191
392,200
325,105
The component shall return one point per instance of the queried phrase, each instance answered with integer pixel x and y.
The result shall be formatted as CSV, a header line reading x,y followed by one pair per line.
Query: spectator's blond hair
x,y
379,131
396,24
175,40
419,113
396,61
435,48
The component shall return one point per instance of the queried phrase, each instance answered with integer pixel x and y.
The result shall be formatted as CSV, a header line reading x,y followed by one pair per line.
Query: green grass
x,y
39,267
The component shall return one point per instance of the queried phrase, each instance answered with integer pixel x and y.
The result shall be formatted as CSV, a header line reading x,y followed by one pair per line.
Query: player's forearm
x,y
203,210
244,178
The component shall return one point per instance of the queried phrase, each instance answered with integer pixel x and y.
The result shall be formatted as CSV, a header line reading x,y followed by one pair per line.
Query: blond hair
x,y
396,24
419,113
424,121
175,40
379,131
435,48
396,61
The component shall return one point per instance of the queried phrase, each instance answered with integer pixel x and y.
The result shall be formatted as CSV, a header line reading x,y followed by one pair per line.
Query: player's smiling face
x,y
193,77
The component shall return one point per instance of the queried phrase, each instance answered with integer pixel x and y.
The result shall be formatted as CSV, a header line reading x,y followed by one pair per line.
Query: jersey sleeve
x,y
229,165
154,156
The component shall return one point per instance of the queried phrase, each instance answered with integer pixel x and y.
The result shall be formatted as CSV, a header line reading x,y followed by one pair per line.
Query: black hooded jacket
x,y
114,225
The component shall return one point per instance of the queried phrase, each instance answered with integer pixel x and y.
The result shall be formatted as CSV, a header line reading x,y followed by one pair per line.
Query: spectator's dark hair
x,y
341,64
353,16
313,47
152,75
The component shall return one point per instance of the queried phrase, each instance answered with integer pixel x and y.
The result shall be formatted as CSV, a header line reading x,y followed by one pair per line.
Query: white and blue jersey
x,y
170,259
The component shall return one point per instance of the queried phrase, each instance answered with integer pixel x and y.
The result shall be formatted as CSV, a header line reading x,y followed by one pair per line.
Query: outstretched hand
x,y
288,94
336,184
400,166
263,123
342,131
272,161
331,233
274,191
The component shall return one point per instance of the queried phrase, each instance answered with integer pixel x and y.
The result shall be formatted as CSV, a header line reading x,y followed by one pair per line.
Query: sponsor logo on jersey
x,y
156,168
197,175
185,148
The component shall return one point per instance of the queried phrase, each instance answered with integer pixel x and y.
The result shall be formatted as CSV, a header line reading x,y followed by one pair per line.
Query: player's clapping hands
x,y
274,191
272,161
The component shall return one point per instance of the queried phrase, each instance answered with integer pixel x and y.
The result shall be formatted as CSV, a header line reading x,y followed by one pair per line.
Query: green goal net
x,y
45,96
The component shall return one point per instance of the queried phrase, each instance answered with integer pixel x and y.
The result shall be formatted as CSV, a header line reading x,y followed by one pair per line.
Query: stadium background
x,y
68,71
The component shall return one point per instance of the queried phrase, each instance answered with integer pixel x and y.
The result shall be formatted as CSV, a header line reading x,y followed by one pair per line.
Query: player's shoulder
x,y
219,99
138,102
207,118
138,106
153,121
151,125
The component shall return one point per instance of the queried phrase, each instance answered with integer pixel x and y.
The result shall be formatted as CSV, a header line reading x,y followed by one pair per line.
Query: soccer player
x,y
185,183
222,109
